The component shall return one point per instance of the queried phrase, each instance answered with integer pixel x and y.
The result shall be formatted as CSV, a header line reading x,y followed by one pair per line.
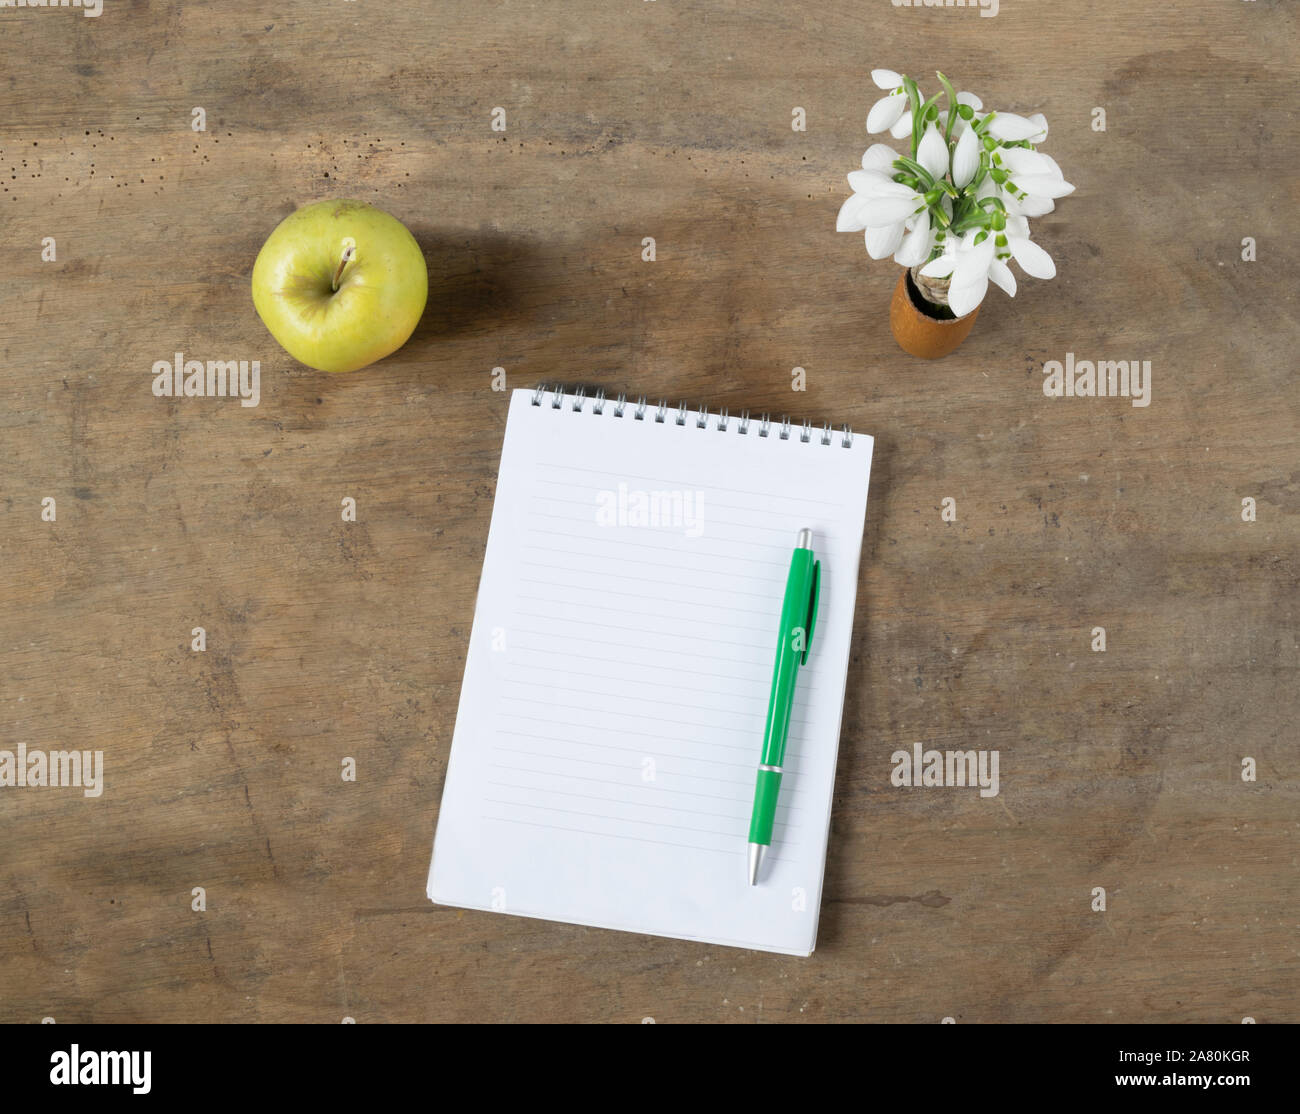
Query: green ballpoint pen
x,y
794,639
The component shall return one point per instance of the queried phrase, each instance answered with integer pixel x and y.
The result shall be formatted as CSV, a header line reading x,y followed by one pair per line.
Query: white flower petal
x,y
873,183
939,268
1041,120
973,263
903,126
932,152
879,157
878,211
1017,226
1000,273
966,158
917,244
883,241
1028,206
1043,185
1011,128
971,99
1033,260
848,219
885,112
1021,160
964,299
886,79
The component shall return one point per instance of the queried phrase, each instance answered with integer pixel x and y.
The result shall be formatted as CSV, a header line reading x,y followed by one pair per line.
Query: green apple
x,y
340,284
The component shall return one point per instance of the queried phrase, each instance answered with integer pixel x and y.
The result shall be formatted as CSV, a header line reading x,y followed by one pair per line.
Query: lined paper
x,y
611,715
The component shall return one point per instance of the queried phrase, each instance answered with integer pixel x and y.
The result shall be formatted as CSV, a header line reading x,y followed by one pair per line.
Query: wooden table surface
x,y
327,639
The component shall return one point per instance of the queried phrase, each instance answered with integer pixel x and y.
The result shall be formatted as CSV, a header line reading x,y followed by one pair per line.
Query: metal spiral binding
x,y
722,419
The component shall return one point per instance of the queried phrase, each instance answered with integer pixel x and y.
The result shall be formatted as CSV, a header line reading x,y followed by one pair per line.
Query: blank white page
x,y
611,715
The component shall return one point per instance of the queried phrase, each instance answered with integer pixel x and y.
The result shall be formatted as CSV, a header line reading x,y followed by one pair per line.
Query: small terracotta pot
x,y
919,333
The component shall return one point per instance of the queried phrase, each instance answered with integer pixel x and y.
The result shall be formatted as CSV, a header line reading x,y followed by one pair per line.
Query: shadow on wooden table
x,y
858,756
475,281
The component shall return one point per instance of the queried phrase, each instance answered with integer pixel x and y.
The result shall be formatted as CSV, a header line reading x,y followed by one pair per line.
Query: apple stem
x,y
349,251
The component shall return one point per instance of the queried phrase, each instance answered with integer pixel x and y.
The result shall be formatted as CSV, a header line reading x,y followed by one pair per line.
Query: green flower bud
x,y
932,198
965,112
998,176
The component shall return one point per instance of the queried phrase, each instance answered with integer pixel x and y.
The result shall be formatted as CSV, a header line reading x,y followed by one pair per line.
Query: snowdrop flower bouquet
x,y
954,209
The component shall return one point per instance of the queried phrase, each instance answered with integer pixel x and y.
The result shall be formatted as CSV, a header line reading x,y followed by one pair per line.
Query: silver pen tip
x,y
804,540
755,858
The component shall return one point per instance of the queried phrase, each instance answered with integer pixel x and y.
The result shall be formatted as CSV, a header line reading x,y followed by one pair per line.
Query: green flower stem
x,y
952,106
980,219
914,167
914,97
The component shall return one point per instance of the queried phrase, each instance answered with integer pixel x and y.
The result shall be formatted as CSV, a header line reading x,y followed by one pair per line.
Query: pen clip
x,y
813,595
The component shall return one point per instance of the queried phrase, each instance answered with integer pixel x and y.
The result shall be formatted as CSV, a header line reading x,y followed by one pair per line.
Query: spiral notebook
x,y
602,767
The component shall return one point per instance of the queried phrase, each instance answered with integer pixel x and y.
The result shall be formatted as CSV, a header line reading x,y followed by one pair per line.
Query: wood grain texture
x,y
671,119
